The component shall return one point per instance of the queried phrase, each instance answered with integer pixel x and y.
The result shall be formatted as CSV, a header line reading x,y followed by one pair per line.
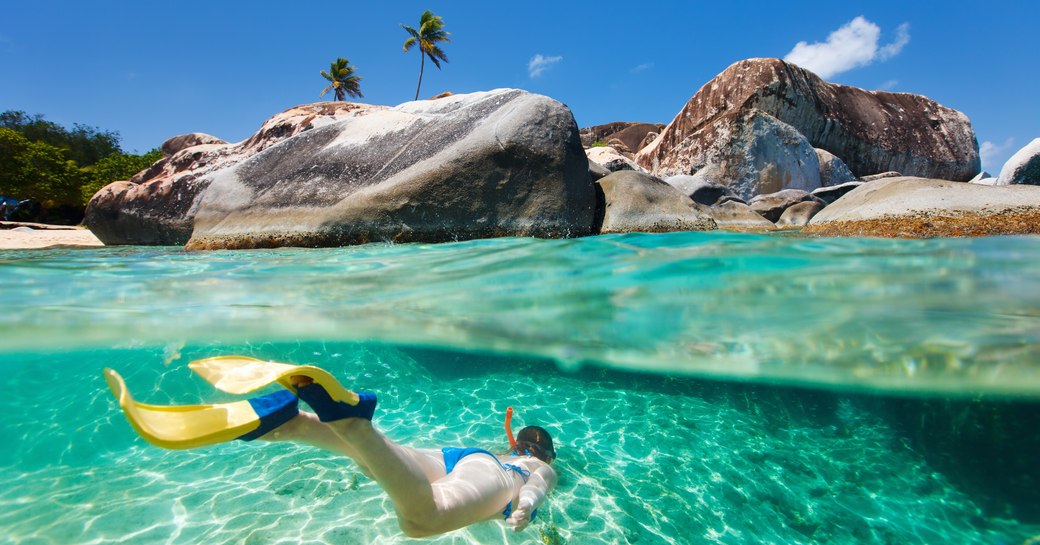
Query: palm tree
x,y
343,80
431,30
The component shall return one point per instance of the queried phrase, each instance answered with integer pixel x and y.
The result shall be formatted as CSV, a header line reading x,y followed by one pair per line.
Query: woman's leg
x,y
307,429
477,489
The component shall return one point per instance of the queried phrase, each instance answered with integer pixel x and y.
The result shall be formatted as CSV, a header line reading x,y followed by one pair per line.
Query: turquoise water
x,y
702,387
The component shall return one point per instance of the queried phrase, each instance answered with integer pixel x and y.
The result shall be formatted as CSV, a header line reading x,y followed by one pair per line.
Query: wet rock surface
x,y
1023,167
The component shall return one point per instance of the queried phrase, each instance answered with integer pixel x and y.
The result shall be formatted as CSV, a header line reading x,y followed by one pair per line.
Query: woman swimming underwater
x,y
432,490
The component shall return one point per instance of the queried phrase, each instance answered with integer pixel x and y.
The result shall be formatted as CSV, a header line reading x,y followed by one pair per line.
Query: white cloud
x,y
893,49
888,85
642,67
854,44
540,63
994,155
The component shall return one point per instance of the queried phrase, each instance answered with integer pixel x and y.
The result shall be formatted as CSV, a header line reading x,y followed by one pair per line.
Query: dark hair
x,y
535,441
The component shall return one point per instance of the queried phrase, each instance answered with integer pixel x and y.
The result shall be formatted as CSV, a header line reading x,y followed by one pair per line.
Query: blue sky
x,y
153,70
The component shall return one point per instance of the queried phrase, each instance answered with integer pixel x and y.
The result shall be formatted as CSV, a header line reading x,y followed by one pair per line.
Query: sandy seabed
x,y
29,236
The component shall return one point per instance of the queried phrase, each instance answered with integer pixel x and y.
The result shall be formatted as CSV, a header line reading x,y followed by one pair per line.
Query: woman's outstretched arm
x,y
533,493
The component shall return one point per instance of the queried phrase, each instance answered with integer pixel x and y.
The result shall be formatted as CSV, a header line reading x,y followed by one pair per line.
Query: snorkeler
x,y
433,491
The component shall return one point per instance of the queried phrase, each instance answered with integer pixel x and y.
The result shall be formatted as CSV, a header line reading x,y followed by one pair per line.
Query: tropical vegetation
x,y
60,169
342,80
431,30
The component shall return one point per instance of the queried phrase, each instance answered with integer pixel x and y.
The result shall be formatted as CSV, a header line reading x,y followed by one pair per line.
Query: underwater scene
x,y
700,387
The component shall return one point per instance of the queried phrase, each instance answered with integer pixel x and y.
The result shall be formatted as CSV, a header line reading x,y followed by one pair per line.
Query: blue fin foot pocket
x,y
329,410
273,409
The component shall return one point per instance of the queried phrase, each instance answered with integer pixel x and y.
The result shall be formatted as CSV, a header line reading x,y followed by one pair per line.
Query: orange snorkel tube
x,y
509,428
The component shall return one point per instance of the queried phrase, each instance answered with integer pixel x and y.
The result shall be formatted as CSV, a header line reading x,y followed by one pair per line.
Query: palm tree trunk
x,y
422,66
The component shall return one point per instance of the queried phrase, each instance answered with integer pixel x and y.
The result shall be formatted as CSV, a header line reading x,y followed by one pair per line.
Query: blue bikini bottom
x,y
452,455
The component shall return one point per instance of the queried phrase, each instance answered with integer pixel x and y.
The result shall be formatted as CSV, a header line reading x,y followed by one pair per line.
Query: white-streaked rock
x,y
497,163
158,204
1023,167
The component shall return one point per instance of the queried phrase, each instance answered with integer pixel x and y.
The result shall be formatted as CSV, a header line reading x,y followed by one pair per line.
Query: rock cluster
x,y
764,145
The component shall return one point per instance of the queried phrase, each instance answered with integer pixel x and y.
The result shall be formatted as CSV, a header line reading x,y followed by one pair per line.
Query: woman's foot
x,y
329,409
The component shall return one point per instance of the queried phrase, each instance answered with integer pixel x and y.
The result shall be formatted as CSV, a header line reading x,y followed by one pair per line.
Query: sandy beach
x,y
30,236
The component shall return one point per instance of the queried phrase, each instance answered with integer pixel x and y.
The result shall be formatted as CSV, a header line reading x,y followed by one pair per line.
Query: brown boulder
x,y
631,134
871,131
190,140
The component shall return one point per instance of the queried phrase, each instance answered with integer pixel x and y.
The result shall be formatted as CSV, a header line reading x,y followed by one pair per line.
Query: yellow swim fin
x,y
242,374
190,426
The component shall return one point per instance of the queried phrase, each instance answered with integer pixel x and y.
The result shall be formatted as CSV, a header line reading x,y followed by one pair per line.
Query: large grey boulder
x,y
752,153
921,207
157,205
700,189
497,163
1023,167
833,171
871,131
638,202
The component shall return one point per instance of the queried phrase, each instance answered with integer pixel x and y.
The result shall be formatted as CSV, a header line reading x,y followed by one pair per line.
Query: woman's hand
x,y
520,518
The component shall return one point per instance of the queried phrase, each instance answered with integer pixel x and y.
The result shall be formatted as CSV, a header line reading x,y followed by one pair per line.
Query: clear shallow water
x,y
549,327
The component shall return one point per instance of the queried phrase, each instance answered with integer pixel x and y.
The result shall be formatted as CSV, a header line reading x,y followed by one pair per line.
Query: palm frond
x,y
344,80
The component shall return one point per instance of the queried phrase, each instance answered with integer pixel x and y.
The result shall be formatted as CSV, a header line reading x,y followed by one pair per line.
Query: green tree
x,y
83,144
115,167
431,30
342,80
39,171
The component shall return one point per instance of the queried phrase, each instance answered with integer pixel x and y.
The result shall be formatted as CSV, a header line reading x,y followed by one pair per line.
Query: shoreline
x,y
38,236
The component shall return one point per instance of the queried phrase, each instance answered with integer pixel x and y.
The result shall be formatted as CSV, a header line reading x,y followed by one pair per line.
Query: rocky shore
x,y
764,145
